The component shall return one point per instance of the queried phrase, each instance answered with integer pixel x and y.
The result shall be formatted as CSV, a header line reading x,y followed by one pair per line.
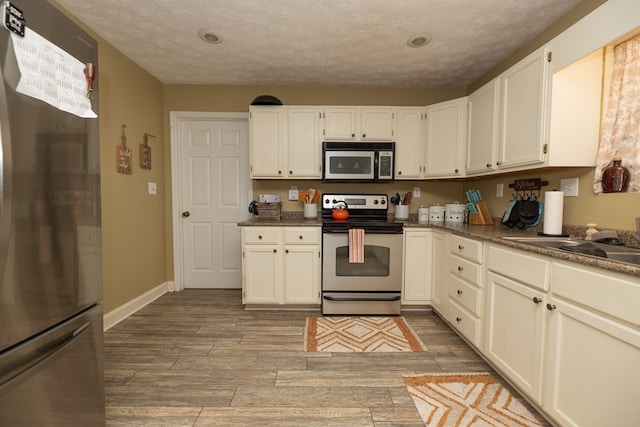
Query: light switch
x,y
153,188
499,190
294,194
569,187
417,192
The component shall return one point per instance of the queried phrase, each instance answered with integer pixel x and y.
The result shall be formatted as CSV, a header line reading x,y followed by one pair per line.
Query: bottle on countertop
x,y
615,178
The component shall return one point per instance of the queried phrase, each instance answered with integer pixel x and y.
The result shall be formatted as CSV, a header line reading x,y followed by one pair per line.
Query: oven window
x,y
376,262
351,165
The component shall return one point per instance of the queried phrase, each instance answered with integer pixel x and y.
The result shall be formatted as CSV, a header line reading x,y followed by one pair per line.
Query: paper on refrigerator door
x,y
50,74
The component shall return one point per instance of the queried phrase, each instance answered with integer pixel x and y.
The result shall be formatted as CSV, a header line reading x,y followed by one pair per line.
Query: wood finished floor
x,y
197,358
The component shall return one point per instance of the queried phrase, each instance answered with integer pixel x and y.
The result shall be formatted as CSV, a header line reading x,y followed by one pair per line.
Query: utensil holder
x,y
310,211
401,212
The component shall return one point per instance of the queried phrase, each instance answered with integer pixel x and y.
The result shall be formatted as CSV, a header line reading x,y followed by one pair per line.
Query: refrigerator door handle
x,y
6,176
21,373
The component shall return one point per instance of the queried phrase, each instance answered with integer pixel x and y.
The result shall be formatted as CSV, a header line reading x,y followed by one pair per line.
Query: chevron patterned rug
x,y
468,400
360,334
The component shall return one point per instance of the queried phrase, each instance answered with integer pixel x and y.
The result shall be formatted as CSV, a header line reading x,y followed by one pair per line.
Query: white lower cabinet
x,y
464,284
440,272
516,324
418,253
593,349
281,265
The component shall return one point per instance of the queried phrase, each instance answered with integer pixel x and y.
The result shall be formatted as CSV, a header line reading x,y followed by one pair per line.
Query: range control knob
x,y
375,202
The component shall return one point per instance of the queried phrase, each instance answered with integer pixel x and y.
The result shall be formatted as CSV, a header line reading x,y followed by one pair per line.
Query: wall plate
x,y
569,187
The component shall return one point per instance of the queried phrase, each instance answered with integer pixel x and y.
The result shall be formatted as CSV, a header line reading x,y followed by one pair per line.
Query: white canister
x,y
436,213
455,212
423,215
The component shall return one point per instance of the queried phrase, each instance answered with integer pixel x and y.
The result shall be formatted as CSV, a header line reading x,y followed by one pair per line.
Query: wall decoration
x,y
145,152
123,155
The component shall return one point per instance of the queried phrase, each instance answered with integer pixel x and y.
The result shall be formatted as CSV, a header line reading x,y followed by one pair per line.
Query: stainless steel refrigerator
x,y
51,351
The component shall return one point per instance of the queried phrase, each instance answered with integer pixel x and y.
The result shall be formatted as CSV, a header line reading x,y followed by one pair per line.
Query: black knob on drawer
x,y
537,300
458,319
460,268
459,292
551,307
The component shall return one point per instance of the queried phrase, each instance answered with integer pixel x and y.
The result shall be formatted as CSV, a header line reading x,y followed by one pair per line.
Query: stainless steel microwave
x,y
358,161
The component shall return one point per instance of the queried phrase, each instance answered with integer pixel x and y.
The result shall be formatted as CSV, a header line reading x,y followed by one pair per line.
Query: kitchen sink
x,y
613,252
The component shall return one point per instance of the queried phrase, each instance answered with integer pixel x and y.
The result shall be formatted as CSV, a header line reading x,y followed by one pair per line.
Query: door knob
x,y
186,214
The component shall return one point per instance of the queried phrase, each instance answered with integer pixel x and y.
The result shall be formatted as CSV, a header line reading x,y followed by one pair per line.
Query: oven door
x,y
381,270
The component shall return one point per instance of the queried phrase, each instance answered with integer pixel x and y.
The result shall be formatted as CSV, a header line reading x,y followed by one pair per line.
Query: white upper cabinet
x,y
305,142
446,126
409,155
377,123
340,123
268,142
483,128
359,123
529,118
523,105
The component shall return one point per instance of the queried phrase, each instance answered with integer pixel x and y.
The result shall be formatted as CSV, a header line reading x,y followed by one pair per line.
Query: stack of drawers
x,y
465,278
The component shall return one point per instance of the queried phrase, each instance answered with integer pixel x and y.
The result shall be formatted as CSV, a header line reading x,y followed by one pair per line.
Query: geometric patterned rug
x,y
467,400
360,334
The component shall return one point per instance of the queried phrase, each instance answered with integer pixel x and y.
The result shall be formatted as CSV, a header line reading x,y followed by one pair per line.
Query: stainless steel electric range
x,y
371,287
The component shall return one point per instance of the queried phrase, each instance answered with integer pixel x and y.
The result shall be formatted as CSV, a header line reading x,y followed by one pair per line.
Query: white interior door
x,y
214,194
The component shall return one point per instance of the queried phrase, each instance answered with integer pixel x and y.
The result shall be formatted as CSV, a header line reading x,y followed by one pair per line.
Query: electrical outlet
x,y
569,187
294,194
416,192
499,190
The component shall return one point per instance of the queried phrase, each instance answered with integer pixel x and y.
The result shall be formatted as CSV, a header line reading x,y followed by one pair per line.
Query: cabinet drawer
x,y
466,248
466,324
466,269
465,294
599,290
302,235
261,235
525,268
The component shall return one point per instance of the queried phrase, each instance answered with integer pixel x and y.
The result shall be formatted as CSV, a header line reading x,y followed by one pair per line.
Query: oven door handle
x,y
370,231
391,298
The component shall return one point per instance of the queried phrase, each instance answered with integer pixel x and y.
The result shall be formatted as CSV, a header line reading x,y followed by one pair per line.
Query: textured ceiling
x,y
318,42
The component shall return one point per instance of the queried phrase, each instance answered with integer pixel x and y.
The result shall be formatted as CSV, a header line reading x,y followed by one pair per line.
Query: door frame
x,y
175,117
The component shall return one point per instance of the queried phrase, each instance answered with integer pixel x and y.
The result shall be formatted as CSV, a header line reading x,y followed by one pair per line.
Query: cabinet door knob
x,y
498,163
260,237
459,292
353,135
458,319
300,237
551,307
537,300
279,172
460,247
275,250
399,172
286,251
460,268
364,135
290,172
455,170
488,165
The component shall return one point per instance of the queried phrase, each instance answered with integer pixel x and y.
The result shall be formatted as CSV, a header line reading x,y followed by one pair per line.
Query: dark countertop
x,y
492,233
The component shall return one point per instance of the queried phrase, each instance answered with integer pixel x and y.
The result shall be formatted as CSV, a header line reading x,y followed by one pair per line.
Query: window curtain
x,y
621,126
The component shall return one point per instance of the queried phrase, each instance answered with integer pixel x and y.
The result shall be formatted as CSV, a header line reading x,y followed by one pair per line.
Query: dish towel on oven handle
x,y
356,245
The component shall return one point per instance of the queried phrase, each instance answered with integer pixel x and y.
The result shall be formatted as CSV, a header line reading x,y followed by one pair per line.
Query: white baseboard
x,y
116,316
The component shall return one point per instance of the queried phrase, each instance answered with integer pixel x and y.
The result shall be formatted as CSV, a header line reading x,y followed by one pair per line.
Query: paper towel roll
x,y
552,212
